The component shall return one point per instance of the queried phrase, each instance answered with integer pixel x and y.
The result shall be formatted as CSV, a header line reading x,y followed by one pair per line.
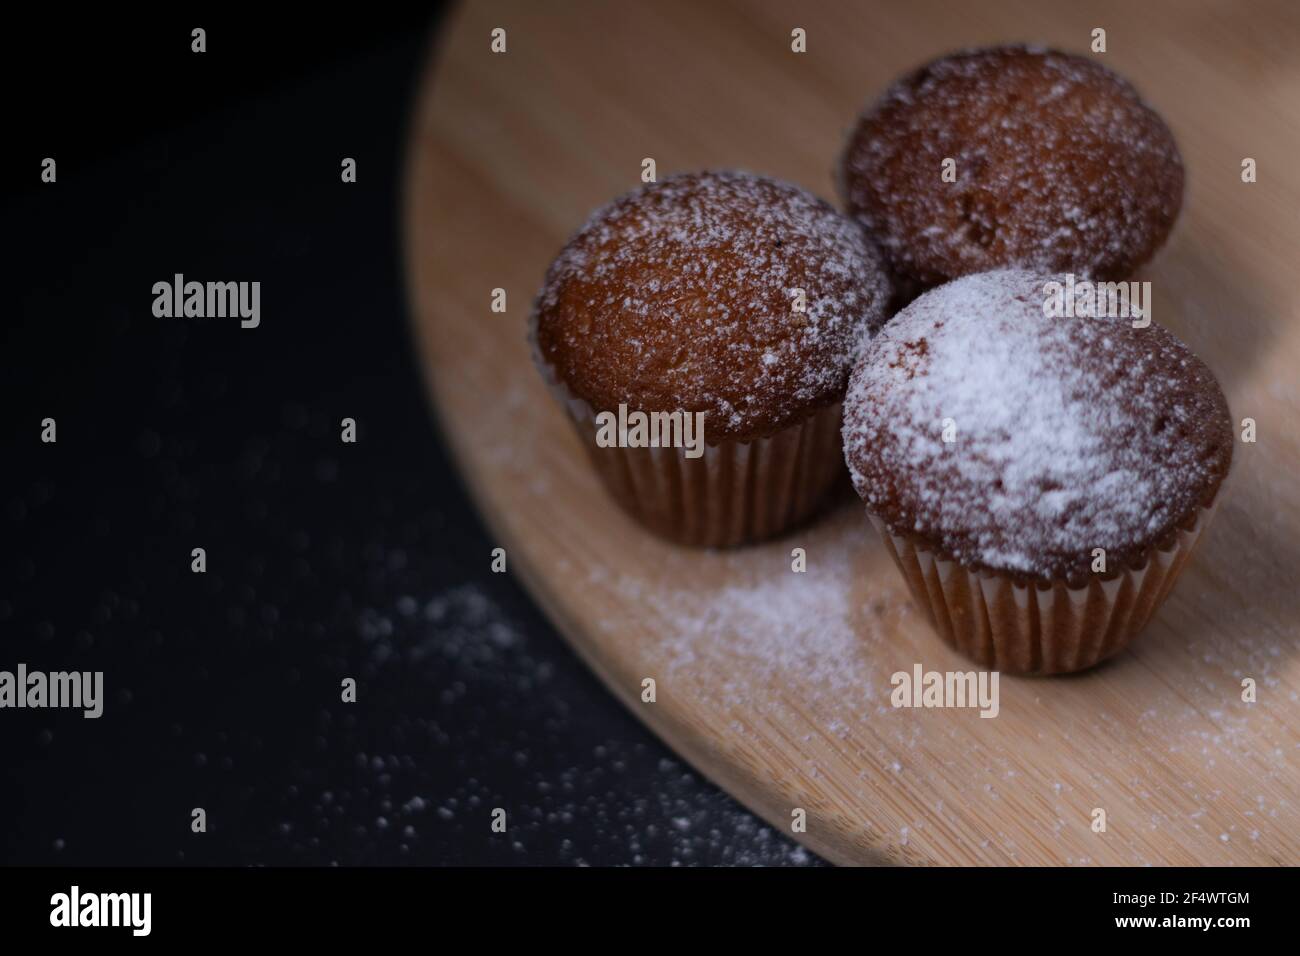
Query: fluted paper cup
x,y
735,493
1023,628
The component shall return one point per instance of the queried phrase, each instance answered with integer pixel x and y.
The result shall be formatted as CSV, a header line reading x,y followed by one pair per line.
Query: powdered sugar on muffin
x,y
1068,434
1059,166
679,296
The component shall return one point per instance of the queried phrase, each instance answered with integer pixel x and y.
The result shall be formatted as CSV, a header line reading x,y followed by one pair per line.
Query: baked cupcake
x,y
1039,481
738,303
1059,167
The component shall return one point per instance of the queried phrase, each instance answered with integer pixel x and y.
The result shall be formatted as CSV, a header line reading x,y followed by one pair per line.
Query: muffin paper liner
x,y
1036,629
735,493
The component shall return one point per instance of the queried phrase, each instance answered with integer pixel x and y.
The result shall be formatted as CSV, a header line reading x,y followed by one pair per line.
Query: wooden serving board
x,y
776,684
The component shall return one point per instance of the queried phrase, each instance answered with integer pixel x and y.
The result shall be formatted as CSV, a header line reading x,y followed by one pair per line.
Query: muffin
x,y
734,299
1040,482
1060,167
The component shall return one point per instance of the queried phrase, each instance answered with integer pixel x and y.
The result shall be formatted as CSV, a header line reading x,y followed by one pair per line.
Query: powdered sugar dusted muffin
x,y
724,294
1040,481
1058,166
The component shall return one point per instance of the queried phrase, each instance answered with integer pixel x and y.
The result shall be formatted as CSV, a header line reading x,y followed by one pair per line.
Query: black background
x,y
325,560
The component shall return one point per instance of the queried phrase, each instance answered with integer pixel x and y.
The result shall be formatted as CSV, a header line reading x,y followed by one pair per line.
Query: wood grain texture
x,y
774,684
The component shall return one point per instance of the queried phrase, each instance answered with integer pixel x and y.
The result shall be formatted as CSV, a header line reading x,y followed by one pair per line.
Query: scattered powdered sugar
x,y
681,295
469,706
778,624
475,712
1059,165
1067,434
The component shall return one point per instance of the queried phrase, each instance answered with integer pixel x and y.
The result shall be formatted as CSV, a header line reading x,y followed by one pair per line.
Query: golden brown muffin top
x,y
1069,434
1059,166
679,296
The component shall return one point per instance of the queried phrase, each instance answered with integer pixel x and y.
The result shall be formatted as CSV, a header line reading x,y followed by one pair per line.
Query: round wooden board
x,y
776,684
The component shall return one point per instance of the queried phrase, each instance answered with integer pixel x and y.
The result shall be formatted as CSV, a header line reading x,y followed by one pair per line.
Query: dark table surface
x,y
325,560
